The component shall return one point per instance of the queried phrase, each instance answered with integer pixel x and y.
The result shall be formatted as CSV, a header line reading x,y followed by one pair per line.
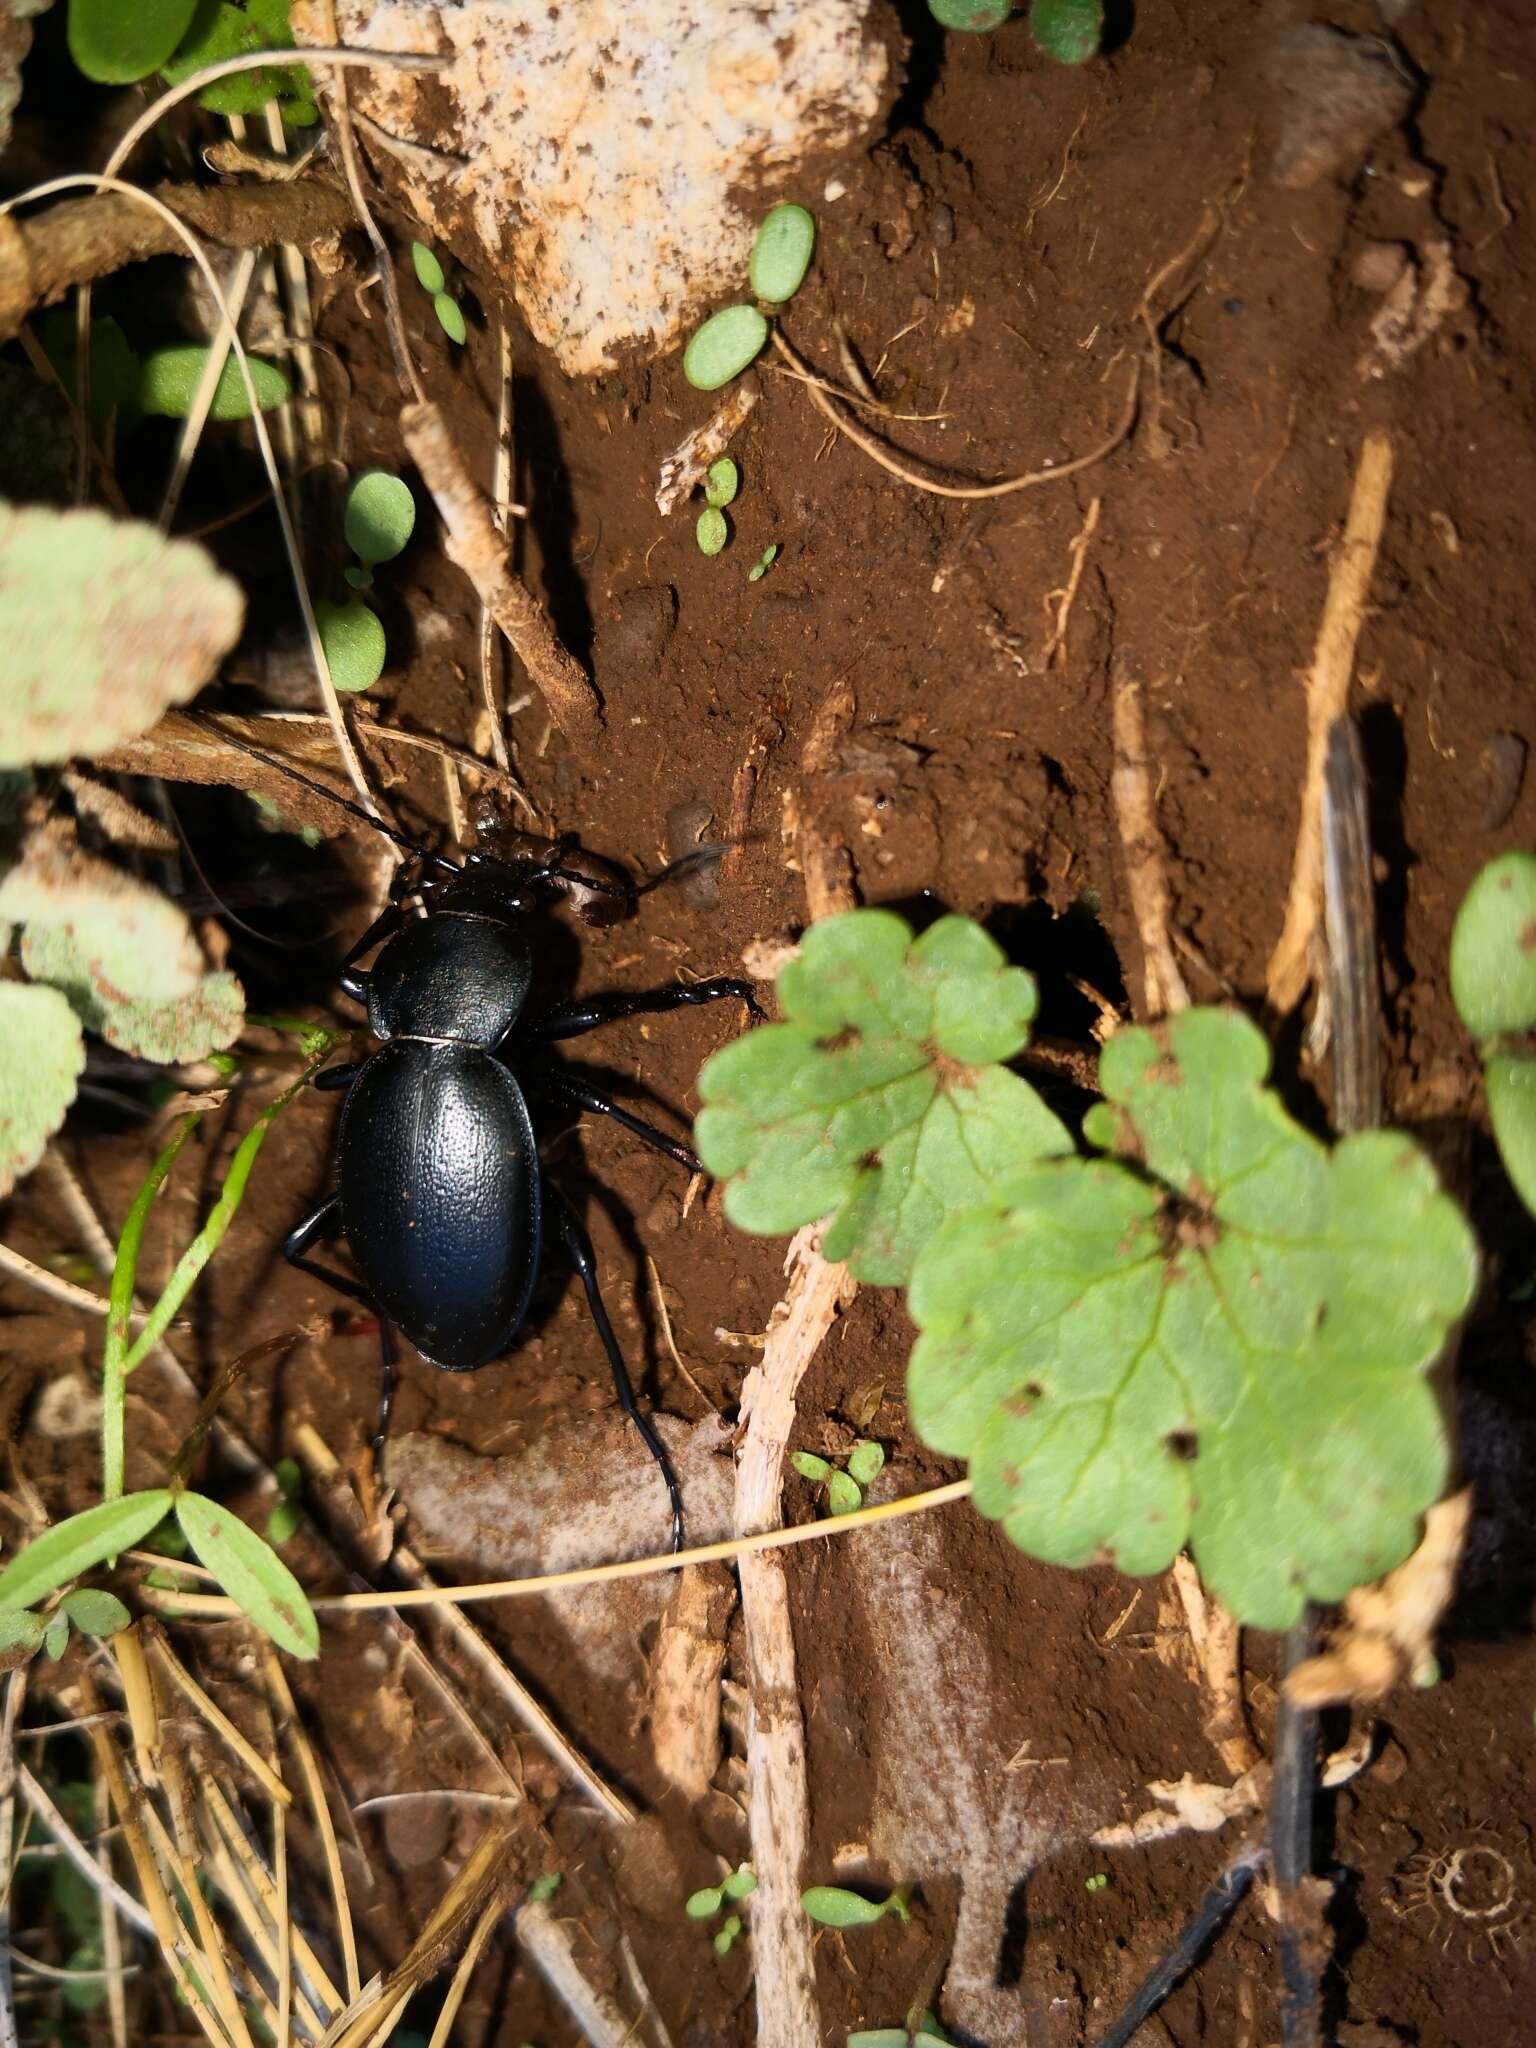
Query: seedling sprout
x,y
764,563
433,280
1493,981
722,483
712,531
829,1905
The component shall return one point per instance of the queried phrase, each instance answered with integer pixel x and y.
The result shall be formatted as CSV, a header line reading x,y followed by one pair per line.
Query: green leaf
x,y
843,1494
289,1474
251,1573
705,1904
721,483
865,1461
220,31
1511,1082
113,930
56,1636
830,1906
353,639
729,1933
69,1548
741,1883
379,517
114,367
42,1056
1068,30
360,579
972,16
450,317
95,1613
105,624
543,1889
169,378
170,1031
20,1632
781,254
810,1467
117,42
712,531
764,563
429,272
723,347
1493,948
284,1522
880,1100
1225,1344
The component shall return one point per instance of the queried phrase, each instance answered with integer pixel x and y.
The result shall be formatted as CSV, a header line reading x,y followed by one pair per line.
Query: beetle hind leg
x,y
572,1233
323,1223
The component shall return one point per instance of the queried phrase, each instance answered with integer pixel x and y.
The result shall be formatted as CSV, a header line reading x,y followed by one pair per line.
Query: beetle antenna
x,y
319,789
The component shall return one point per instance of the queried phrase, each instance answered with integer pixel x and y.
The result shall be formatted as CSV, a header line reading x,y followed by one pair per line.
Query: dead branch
x,y
1217,1641
684,469
1056,646
1145,852
1333,661
82,239
481,552
685,1679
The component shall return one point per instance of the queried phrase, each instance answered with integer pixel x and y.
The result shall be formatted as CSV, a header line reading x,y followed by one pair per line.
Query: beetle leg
x,y
323,1223
331,1078
572,1233
572,1088
588,1013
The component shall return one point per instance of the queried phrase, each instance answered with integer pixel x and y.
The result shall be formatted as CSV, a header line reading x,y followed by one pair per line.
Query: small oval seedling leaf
x,y
169,379
741,1883
1493,948
114,366
1068,30
723,347
705,1904
764,563
1511,1081
830,1906
781,254
118,42
353,639
105,623
809,1466
20,1631
251,1573
95,1613
712,531
69,1548
722,482
429,272
726,1939
42,1056
289,1474
284,1522
973,17
880,1100
865,1461
843,1495
380,516
450,317
56,1636
543,1889
360,579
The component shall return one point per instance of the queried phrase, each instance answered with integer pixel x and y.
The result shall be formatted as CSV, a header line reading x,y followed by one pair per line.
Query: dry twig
x,y
1333,660
1056,646
1142,840
480,551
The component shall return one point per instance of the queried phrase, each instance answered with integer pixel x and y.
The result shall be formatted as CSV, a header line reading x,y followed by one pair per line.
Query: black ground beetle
x,y
441,1194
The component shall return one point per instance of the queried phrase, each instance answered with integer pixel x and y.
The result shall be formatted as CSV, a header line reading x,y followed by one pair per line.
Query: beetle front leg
x,y
319,1224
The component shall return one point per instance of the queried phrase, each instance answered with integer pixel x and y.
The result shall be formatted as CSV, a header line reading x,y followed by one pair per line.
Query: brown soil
x,y
987,261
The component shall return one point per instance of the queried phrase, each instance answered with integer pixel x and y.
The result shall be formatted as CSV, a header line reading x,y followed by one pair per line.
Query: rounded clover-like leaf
x,y
880,1099
429,270
132,943
251,1573
973,16
170,378
171,1030
781,253
1226,1345
105,623
117,43
42,1056
1068,30
1493,948
380,516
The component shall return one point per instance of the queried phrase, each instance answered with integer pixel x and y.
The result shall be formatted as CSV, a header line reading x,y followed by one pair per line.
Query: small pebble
x,y
1377,266
1335,95
941,225
1503,764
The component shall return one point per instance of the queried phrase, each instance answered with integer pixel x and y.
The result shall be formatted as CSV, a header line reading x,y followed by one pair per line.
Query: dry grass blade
x,y
111,1932
320,1812
214,1715
207,384
501,493
139,1699
93,1872
248,1875
188,1861
475,1948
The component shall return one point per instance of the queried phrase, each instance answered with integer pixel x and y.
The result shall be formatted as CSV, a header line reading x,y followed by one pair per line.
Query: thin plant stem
x,y
115,1366
222,1214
